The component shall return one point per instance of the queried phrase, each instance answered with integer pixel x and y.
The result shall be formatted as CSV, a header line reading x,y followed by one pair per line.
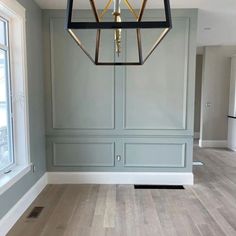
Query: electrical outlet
x,y
118,158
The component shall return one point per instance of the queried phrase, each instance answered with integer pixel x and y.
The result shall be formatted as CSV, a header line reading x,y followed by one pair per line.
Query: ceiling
x,y
217,18
226,5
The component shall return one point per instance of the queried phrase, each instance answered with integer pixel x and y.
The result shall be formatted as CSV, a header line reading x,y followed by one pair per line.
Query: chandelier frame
x,y
137,25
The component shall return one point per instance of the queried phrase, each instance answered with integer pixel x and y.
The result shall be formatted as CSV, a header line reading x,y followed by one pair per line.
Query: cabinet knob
x,y
118,157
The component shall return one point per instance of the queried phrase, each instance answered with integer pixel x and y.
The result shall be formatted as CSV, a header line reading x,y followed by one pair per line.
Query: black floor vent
x,y
35,212
158,187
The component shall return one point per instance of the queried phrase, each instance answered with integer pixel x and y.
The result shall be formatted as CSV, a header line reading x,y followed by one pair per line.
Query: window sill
x,y
8,180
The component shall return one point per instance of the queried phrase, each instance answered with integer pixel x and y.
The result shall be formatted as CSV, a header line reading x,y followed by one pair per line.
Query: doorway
x,y
198,92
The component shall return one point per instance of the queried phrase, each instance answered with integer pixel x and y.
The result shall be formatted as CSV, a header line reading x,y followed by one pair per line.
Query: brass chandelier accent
x,y
117,26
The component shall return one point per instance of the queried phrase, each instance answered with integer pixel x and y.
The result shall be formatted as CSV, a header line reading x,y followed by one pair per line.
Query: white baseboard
x,y
121,178
7,222
213,143
196,135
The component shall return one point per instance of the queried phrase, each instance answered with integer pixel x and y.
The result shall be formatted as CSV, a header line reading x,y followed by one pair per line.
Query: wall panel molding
x,y
155,155
187,74
84,154
54,79
94,113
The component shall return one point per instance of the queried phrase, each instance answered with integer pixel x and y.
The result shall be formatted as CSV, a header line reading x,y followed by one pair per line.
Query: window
x,y
14,124
6,138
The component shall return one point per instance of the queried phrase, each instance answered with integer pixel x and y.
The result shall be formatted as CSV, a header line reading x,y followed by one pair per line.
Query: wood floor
x,y
208,208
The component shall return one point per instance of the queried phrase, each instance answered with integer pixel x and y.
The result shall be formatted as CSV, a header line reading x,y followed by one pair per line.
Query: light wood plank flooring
x,y
208,208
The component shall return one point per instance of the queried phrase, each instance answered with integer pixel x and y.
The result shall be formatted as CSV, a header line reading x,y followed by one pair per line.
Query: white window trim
x,y
15,13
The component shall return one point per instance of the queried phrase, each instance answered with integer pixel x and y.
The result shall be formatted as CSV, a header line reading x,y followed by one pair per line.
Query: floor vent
x,y
35,212
158,187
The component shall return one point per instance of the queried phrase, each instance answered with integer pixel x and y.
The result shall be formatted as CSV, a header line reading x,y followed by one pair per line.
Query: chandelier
x,y
117,25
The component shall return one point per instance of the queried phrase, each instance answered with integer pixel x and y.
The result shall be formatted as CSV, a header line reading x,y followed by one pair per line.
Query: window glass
x,y
6,157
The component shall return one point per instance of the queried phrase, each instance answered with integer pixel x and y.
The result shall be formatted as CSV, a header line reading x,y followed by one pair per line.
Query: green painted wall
x,y
36,107
144,114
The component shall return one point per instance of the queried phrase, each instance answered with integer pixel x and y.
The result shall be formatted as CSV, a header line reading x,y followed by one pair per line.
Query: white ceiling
x,y
226,5
217,18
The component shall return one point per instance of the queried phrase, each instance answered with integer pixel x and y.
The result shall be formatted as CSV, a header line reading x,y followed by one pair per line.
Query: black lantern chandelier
x,y
117,25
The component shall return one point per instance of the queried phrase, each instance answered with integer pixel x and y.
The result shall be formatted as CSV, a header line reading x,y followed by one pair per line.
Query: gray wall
x,y
36,107
215,90
144,114
198,93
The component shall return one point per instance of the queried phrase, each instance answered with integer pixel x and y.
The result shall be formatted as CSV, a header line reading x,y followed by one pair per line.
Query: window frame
x,y
10,118
16,15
